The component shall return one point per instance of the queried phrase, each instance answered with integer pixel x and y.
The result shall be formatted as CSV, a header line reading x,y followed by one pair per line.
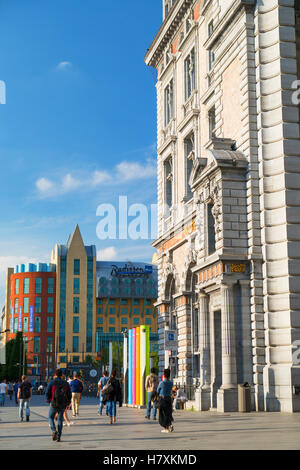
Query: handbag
x,y
107,389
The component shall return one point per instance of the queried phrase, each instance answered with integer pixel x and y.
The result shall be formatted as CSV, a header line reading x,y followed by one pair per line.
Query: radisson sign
x,y
130,270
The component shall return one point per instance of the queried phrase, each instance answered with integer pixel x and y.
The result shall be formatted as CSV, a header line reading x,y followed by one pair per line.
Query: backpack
x,y
108,388
25,390
60,399
153,382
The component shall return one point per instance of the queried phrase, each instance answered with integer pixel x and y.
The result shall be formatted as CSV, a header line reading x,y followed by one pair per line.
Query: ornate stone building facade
x,y
228,193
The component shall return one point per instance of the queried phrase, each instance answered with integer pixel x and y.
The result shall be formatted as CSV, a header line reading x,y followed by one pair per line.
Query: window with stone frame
x,y
211,230
169,102
190,74
211,122
168,183
172,312
211,60
167,7
210,28
189,146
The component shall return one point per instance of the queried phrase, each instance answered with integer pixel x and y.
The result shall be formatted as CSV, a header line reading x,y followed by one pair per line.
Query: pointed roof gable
x,y
76,236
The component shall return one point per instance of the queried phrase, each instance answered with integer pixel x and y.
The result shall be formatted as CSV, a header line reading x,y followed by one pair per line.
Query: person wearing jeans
x,y
102,382
151,387
113,397
24,404
58,394
24,397
60,419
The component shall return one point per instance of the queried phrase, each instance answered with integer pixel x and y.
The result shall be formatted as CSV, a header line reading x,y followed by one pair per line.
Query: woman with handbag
x,y
113,394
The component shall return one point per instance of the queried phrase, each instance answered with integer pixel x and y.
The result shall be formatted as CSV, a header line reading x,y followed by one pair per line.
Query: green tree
x,y
14,353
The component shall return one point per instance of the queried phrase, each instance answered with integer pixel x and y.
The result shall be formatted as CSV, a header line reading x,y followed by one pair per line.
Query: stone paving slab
x,y
193,430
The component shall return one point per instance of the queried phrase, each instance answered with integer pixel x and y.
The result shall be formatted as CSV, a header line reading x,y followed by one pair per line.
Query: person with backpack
x,y
76,388
113,394
24,397
151,385
59,395
102,382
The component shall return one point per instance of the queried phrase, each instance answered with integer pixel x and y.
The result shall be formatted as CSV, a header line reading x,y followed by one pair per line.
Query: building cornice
x,y
167,31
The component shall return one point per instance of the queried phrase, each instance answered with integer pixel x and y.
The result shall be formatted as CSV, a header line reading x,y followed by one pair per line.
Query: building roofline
x,y
166,30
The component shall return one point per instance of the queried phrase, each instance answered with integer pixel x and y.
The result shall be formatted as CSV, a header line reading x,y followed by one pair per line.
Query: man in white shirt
x,y
3,392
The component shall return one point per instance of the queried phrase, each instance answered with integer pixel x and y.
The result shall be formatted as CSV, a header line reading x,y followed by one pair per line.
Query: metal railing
x,y
188,389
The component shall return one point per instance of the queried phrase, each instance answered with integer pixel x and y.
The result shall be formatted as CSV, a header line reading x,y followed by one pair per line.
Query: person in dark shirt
x,y
164,391
76,388
16,388
24,397
113,397
58,394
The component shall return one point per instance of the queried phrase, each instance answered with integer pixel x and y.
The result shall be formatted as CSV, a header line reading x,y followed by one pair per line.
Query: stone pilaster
x,y
279,167
205,372
227,395
184,328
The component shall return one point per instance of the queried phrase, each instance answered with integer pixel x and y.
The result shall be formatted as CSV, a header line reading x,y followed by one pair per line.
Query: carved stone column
x,y
228,394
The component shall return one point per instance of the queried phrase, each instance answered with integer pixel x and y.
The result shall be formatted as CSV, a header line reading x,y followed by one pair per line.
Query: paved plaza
x,y
193,430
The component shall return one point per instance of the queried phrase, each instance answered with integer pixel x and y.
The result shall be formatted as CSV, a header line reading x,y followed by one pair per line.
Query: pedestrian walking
x,y
164,391
24,397
16,388
151,385
76,389
3,392
66,417
58,394
113,395
102,382
10,390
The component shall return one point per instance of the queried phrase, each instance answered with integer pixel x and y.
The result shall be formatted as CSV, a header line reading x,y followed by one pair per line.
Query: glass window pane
x,y
37,306
50,304
76,325
38,285
76,267
37,324
76,286
26,304
50,324
26,285
76,305
51,285
25,325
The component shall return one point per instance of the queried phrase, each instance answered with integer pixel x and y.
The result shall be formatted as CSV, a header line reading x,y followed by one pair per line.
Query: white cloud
x,y
120,174
69,183
133,170
107,254
64,65
44,185
100,177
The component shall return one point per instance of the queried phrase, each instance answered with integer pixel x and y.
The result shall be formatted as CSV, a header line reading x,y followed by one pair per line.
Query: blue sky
x,y
79,125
